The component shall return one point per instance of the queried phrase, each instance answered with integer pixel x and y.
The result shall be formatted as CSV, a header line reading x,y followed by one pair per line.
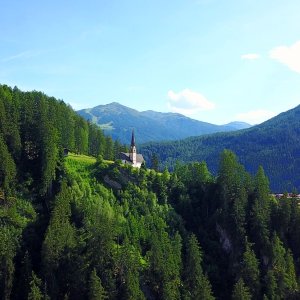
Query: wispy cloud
x,y
21,55
255,116
250,56
188,102
288,55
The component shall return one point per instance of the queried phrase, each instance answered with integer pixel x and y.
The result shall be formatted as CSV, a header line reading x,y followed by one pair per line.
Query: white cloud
x,y
21,55
188,102
255,116
250,56
289,56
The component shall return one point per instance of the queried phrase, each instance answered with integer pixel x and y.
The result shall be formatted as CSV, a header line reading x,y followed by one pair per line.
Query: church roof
x,y
126,156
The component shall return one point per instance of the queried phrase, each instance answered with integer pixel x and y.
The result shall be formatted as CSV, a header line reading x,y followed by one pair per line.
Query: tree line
x,y
34,130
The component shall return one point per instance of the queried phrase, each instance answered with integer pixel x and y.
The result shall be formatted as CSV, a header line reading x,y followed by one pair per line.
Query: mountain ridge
x,y
274,144
117,120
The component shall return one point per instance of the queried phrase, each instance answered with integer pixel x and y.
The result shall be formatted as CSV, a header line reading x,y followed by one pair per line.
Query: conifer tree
x,y
128,262
271,286
241,291
96,290
290,277
250,271
7,268
261,210
7,168
35,288
196,283
283,270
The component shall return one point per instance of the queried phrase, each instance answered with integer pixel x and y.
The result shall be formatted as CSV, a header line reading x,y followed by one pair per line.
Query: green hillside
x,y
84,226
274,144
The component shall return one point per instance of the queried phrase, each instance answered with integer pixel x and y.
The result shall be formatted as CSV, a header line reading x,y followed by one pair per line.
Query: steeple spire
x,y
132,153
132,139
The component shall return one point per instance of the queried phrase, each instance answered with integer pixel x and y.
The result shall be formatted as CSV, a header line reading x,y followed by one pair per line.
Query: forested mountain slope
x,y
118,120
84,227
274,144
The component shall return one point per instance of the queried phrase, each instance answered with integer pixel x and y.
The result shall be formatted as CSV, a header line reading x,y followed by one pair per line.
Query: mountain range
x,y
118,121
274,144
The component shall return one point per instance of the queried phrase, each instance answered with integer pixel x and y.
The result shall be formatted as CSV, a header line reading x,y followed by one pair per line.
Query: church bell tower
x,y
133,149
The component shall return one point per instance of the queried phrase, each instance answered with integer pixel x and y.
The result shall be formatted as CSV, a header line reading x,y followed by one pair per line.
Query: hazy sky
x,y
213,60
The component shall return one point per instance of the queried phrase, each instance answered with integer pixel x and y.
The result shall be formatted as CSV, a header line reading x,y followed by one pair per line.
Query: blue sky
x,y
213,60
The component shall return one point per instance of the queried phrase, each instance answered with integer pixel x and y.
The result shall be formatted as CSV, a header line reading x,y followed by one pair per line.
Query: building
x,y
132,158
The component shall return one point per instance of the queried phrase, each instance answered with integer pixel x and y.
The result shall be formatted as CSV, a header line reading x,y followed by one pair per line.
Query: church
x,y
132,158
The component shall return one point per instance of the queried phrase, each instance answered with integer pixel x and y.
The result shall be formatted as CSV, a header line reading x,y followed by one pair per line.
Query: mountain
x,y
274,144
118,121
238,125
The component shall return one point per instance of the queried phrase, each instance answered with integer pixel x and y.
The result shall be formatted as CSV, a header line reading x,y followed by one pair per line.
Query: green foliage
x,y
60,233
96,290
250,271
95,228
7,168
35,288
15,215
196,283
34,131
282,277
241,291
273,144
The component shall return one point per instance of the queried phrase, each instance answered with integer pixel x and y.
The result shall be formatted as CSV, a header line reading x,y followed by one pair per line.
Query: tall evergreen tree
x,y
250,271
35,288
7,168
196,283
241,291
96,290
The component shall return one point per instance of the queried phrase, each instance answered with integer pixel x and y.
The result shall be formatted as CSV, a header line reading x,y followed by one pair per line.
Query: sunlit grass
x,y
81,164
89,160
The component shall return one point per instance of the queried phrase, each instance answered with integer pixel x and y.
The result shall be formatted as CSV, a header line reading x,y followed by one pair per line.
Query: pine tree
x,y
250,271
165,264
283,270
7,168
271,286
290,275
109,148
128,265
59,239
241,291
96,290
35,288
196,283
7,268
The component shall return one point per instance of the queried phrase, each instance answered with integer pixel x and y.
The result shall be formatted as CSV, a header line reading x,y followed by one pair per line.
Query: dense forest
x,y
84,226
274,144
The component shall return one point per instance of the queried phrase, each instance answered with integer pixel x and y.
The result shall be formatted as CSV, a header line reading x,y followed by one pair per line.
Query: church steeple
x,y
132,153
132,139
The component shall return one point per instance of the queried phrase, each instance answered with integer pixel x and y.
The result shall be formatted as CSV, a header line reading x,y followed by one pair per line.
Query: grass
x,y
81,164
88,160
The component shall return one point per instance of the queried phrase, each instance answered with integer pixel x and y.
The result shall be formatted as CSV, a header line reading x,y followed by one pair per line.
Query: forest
x,y
274,144
84,226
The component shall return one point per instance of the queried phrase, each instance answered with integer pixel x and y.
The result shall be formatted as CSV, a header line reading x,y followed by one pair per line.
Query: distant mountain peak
x,y
117,120
239,125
